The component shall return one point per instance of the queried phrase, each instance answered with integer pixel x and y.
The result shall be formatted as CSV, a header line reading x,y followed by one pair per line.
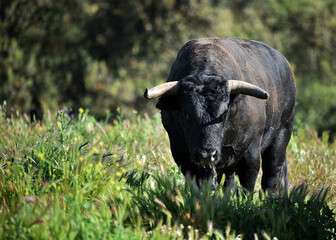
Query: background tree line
x,y
101,54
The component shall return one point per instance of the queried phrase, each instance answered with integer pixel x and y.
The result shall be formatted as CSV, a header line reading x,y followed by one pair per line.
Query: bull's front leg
x,y
229,182
248,169
274,162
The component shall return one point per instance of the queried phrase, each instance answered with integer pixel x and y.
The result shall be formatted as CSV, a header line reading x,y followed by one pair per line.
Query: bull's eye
x,y
220,119
223,116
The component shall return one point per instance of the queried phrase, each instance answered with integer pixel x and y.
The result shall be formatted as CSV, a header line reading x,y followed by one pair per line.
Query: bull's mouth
x,y
203,163
210,164
213,174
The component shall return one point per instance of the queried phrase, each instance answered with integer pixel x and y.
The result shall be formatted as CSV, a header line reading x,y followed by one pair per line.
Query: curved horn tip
x,y
146,94
266,96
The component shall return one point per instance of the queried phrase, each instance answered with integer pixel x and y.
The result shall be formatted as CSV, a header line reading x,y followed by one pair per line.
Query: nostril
x,y
203,154
213,153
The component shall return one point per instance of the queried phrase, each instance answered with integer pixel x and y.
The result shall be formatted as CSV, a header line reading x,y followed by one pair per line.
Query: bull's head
x,y
201,103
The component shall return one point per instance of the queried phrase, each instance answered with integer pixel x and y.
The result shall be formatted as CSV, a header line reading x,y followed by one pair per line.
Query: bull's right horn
x,y
168,88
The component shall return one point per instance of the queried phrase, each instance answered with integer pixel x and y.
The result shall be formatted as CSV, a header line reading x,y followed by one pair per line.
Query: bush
x,y
96,53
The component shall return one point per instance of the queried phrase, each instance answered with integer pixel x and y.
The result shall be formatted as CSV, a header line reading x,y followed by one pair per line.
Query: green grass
x,y
76,178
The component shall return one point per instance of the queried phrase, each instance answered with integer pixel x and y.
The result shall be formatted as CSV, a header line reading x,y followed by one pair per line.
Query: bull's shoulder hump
x,y
229,42
237,46
204,40
252,44
200,42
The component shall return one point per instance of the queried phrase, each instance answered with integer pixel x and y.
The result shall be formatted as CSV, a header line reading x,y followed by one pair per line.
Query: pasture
x,y
73,177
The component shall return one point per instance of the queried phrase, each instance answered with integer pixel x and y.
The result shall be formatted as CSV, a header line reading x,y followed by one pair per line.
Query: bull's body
x,y
205,120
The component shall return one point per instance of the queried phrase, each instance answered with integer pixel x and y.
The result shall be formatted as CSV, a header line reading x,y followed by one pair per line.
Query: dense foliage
x,y
103,53
72,177
69,176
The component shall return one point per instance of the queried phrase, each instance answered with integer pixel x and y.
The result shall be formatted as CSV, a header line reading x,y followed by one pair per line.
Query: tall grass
x,y
71,177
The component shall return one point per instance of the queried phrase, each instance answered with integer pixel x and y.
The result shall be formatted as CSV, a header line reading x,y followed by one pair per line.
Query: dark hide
x,y
204,121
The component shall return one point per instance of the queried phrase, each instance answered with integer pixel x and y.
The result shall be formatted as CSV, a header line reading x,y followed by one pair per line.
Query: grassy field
x,y
72,177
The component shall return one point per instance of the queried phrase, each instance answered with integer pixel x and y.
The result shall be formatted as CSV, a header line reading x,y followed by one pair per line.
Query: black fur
x,y
204,117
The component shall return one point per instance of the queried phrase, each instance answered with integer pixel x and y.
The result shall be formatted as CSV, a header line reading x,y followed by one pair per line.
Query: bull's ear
x,y
168,103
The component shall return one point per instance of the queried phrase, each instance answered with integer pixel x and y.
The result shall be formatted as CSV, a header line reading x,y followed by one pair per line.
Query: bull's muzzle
x,y
206,157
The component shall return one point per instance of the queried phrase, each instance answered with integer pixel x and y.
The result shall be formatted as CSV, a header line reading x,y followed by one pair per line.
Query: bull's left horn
x,y
168,88
240,87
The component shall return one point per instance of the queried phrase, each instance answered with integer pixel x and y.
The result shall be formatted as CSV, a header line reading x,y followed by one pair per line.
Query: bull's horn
x,y
168,88
240,87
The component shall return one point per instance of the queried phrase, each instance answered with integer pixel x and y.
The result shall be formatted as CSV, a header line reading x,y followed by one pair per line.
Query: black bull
x,y
228,102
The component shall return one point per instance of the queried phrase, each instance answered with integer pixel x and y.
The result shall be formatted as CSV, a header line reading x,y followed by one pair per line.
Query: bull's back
x,y
267,68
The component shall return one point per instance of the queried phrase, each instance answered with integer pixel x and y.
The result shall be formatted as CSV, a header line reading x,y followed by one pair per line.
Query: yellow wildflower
x,y
81,110
59,124
95,150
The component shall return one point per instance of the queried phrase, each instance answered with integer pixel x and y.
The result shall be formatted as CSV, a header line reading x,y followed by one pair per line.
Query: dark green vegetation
x,y
72,177
104,53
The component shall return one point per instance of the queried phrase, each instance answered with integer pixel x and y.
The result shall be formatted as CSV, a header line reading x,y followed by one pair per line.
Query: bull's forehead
x,y
204,96
209,86
203,107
